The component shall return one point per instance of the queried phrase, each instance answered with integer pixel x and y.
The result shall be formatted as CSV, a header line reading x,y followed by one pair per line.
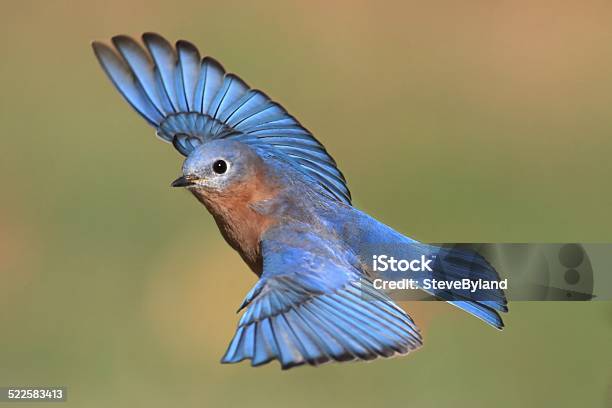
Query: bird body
x,y
277,195
280,201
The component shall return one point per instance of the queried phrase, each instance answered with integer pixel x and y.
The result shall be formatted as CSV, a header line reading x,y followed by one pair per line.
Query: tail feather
x,y
458,264
484,313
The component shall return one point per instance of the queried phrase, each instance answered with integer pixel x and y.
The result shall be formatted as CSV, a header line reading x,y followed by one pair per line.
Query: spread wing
x,y
311,306
191,100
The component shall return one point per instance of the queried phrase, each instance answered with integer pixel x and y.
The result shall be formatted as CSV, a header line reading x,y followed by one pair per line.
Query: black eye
x,y
220,166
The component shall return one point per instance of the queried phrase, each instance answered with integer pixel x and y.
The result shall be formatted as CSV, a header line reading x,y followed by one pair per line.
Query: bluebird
x,y
281,202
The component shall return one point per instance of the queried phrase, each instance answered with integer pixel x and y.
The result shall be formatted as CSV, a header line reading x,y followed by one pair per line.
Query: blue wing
x,y
191,100
311,306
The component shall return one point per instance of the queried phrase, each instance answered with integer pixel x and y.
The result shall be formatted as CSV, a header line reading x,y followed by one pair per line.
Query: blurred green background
x,y
452,121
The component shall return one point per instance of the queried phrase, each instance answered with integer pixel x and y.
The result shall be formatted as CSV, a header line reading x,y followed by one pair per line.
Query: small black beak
x,y
183,181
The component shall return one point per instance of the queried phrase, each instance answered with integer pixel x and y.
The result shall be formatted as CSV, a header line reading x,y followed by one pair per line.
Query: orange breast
x,y
240,224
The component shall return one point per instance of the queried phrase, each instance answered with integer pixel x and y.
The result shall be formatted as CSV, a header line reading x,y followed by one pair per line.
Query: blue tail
x,y
458,264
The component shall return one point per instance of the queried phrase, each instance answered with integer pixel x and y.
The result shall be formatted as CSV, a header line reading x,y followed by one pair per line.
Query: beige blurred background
x,y
452,121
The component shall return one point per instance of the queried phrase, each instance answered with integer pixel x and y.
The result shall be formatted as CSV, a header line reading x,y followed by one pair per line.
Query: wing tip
x,y
185,44
99,47
150,37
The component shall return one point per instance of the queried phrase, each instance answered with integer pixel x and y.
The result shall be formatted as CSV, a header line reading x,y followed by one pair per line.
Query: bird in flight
x,y
281,202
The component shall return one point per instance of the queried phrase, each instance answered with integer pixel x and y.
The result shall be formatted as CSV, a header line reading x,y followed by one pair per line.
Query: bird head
x,y
221,167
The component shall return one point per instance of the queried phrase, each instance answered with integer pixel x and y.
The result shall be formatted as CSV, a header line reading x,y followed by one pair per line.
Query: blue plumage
x,y
167,84
189,73
281,202
314,309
